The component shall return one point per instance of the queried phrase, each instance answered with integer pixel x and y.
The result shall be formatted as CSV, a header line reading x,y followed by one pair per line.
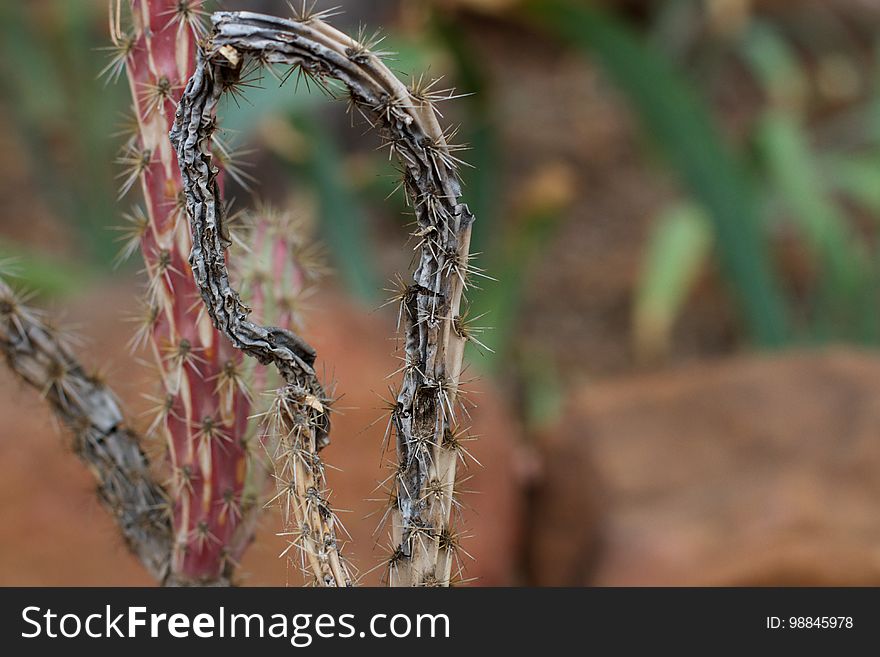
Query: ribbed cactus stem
x,y
424,415
39,355
204,418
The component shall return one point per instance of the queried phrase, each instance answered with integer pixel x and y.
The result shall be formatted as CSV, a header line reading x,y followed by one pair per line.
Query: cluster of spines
x,y
311,526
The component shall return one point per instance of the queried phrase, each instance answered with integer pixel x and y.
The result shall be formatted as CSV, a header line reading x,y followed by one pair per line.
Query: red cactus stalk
x,y
204,407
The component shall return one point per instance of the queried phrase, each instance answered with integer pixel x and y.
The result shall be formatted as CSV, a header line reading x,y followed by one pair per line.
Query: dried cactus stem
x,y
139,505
295,419
407,122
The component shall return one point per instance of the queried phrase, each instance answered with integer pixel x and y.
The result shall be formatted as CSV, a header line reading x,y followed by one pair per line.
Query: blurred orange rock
x,y
54,532
751,471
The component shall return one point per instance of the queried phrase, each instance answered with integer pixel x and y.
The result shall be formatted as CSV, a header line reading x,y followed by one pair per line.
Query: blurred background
x,y
680,201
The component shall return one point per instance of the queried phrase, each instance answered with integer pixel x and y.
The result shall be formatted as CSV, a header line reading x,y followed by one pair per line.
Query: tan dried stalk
x,y
424,417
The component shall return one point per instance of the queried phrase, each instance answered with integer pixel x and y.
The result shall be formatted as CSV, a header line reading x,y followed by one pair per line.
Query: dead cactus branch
x,y
425,411
38,355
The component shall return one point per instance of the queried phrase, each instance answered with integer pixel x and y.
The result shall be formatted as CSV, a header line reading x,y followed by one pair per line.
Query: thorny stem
x,y
39,356
424,416
204,415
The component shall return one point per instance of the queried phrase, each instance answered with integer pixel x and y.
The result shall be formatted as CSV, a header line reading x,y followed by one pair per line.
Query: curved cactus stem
x,y
424,417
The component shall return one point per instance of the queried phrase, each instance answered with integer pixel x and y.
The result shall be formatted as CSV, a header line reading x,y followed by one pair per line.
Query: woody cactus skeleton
x,y
424,416
40,355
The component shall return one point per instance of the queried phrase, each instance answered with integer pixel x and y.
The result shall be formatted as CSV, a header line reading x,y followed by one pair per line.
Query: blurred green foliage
x,y
677,252
749,198
42,274
49,60
683,128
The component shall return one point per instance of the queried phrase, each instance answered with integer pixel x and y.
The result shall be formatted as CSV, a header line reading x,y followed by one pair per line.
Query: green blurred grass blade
x,y
45,275
845,274
683,128
794,174
776,66
677,253
857,178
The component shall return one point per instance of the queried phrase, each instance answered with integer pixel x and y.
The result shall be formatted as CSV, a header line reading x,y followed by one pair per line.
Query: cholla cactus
x,y
40,355
425,415
203,406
